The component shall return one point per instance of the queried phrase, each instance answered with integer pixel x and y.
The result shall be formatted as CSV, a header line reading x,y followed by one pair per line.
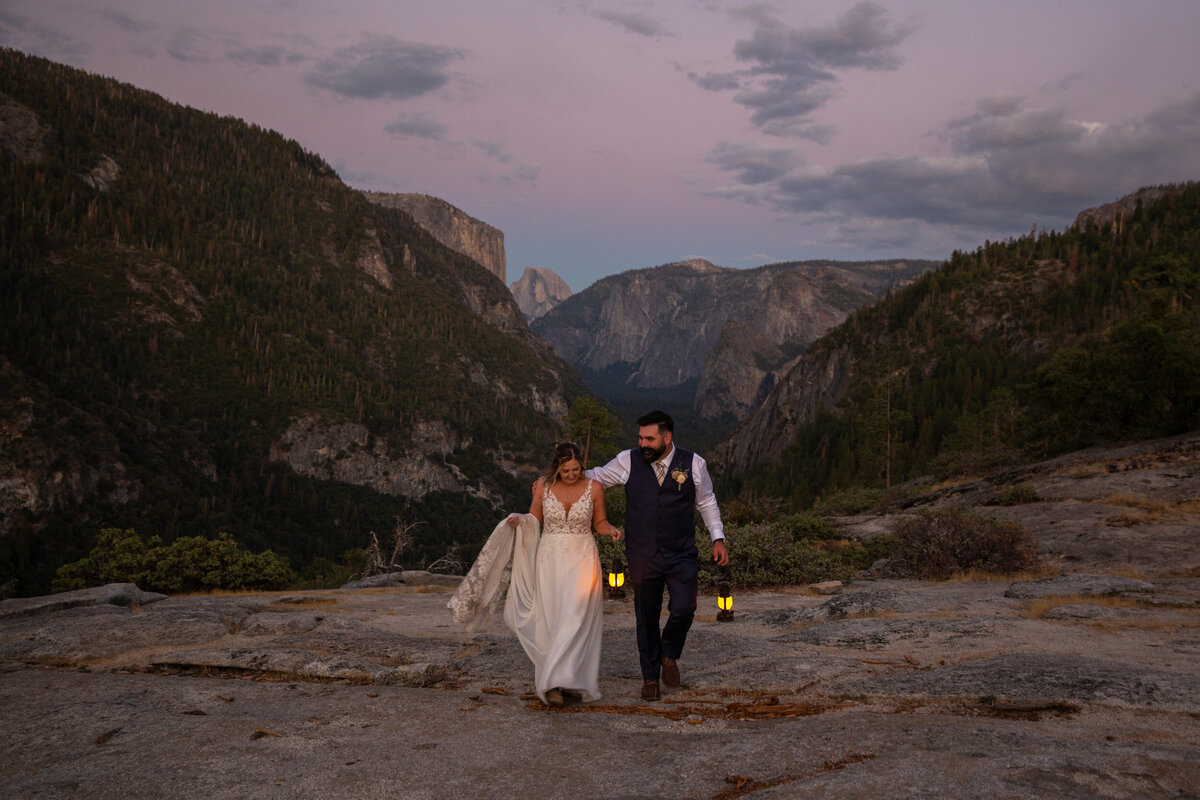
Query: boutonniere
x,y
680,476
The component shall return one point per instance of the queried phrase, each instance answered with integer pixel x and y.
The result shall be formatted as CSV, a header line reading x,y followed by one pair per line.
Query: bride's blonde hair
x,y
563,452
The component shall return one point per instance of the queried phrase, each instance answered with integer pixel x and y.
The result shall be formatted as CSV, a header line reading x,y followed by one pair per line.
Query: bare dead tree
x,y
449,563
402,539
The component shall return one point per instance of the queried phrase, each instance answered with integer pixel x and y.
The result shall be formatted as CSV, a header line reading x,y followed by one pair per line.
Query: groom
x,y
664,488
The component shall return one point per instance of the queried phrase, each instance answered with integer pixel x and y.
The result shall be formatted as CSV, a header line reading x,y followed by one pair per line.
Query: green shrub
x,y
1016,495
850,501
937,544
189,564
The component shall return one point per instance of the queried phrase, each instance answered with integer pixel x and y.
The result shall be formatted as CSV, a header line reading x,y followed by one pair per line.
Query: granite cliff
x,y
538,291
452,227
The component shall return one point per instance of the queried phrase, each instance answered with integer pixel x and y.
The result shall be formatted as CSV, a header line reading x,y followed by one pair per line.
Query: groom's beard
x,y
652,454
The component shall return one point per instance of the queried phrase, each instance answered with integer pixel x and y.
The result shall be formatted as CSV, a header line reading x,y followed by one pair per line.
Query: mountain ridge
x,y
710,337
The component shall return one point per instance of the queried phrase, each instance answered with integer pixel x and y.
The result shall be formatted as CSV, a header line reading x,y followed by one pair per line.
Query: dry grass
x,y
430,588
1148,504
980,576
305,599
958,480
1038,608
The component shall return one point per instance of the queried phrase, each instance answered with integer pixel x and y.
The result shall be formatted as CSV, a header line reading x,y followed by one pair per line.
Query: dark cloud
x,y
494,150
752,164
717,81
783,106
262,56
384,67
423,126
126,22
634,23
793,72
1008,168
999,124
20,32
514,171
521,173
188,44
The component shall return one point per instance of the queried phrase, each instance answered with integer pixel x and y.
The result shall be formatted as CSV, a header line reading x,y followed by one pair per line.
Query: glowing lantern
x,y
724,598
616,579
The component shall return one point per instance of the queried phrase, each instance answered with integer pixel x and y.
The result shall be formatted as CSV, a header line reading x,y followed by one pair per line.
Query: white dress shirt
x,y
616,473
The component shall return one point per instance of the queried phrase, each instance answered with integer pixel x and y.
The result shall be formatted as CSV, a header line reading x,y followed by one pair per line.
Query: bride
x,y
553,601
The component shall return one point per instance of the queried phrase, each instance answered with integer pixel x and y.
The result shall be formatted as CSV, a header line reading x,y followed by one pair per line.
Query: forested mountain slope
x,y
1021,349
203,329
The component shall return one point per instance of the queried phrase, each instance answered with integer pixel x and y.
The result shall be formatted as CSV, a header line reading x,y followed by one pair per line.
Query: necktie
x,y
661,470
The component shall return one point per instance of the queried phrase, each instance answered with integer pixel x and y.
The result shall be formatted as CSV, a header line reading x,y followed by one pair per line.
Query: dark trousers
x,y
679,576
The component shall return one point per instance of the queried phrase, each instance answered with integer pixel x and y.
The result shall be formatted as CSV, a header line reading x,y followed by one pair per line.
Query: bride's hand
x,y
514,520
614,532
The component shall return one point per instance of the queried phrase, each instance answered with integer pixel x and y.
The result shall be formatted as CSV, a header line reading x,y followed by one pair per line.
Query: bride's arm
x,y
600,515
535,508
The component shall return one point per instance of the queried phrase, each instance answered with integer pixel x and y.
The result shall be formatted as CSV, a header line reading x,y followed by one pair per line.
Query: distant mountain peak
x,y
539,290
699,264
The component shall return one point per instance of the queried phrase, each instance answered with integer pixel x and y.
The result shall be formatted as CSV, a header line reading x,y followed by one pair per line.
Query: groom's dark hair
x,y
660,418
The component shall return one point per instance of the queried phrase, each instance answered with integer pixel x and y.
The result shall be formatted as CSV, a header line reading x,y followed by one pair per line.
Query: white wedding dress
x,y
552,593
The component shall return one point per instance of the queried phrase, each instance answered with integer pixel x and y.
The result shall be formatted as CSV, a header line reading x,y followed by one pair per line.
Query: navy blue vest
x,y
660,519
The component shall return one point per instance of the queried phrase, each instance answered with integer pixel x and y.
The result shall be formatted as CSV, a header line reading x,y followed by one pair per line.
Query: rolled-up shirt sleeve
x,y
706,500
614,473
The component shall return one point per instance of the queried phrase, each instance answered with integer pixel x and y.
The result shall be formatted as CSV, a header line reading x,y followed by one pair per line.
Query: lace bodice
x,y
558,520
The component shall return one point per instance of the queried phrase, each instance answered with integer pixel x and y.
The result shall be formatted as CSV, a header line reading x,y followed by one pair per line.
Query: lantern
x,y
724,597
616,579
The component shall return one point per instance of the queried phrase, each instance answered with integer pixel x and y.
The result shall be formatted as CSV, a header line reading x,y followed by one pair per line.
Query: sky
x,y
607,136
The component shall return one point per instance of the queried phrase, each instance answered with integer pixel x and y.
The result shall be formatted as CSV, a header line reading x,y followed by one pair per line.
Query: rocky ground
x,y
1083,683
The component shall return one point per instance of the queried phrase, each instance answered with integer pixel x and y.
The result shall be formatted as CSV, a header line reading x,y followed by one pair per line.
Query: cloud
x,y
999,123
494,150
861,38
1007,168
383,67
717,81
521,173
262,56
188,44
634,23
126,22
515,171
422,125
20,32
793,72
754,164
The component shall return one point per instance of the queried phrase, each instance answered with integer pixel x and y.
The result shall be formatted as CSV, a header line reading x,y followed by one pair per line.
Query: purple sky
x,y
606,136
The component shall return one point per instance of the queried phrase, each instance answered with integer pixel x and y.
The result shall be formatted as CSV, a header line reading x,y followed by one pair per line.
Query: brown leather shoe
x,y
649,690
554,697
670,672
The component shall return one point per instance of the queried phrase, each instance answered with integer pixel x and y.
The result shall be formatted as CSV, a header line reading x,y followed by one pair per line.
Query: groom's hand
x,y
720,553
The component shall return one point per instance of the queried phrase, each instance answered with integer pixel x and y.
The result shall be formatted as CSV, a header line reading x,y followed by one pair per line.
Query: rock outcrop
x,y
55,457
452,227
347,452
21,131
1120,210
538,291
